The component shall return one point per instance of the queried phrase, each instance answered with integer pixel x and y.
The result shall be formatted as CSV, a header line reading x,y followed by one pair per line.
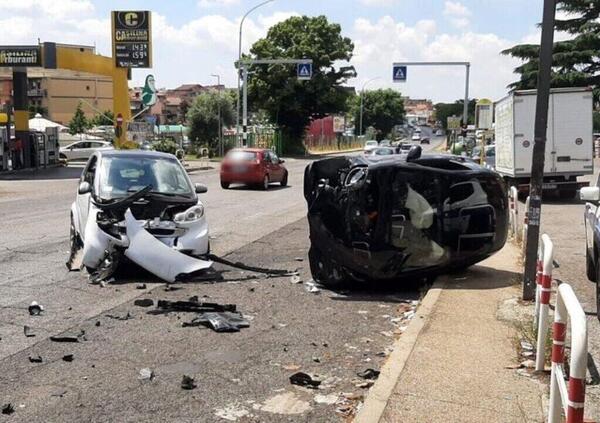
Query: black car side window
x,y
90,171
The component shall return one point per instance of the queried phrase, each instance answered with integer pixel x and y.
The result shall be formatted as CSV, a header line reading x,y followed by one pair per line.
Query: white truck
x,y
569,144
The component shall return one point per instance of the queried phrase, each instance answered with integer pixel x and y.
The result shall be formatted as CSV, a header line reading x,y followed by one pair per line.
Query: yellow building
x,y
60,91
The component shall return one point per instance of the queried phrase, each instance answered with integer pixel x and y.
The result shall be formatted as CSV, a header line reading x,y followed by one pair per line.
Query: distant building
x,y
418,111
59,92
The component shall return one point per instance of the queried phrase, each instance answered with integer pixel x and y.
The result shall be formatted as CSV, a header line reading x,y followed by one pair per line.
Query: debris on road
x,y
365,384
68,358
35,309
187,383
312,287
295,279
28,332
8,409
303,379
369,374
144,302
194,306
35,359
146,374
140,286
69,338
115,317
225,321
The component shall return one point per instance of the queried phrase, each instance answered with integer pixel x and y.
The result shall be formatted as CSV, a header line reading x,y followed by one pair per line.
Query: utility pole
x,y
539,149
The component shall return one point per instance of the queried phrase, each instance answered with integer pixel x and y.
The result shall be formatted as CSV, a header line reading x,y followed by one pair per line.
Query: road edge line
x,y
379,395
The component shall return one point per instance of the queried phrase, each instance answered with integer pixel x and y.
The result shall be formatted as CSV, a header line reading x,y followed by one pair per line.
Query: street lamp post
x,y
221,146
362,94
237,130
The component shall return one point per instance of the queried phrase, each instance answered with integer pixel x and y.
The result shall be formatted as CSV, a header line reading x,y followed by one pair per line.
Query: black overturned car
x,y
394,217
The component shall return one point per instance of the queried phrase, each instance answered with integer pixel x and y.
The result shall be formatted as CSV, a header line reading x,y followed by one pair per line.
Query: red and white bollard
x,y
542,298
568,307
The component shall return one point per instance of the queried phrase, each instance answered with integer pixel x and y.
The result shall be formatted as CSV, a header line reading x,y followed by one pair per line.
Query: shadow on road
x,y
272,187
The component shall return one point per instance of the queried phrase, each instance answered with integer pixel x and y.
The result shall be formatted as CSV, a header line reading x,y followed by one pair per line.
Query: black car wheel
x,y
284,180
224,185
589,267
265,183
323,270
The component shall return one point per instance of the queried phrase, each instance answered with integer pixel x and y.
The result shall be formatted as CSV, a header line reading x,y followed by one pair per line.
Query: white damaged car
x,y
141,205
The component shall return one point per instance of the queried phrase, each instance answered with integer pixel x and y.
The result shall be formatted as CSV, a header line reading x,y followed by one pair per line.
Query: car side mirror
x,y
281,161
84,188
200,189
591,194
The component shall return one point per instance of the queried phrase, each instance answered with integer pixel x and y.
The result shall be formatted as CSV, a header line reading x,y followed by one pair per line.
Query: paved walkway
x,y
457,369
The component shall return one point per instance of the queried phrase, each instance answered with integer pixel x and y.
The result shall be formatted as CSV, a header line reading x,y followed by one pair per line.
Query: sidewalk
x,y
451,363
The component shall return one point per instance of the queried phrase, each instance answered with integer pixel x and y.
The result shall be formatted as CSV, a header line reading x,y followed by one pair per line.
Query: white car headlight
x,y
190,215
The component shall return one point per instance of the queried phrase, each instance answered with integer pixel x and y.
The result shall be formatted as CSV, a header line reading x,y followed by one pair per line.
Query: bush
x,y
166,146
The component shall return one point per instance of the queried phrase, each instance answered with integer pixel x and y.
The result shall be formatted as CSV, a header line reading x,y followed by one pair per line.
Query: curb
x,y
379,395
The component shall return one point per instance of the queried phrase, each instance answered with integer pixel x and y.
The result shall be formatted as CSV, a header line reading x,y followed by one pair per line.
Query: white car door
x,y
83,200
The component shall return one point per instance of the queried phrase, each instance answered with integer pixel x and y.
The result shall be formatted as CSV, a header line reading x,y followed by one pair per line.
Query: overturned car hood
x,y
383,219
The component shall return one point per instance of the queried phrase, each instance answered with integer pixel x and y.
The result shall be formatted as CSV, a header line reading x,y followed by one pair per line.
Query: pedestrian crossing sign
x,y
399,74
304,71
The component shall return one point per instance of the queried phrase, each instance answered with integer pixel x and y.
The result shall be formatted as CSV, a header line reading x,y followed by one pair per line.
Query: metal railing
x,y
542,297
570,397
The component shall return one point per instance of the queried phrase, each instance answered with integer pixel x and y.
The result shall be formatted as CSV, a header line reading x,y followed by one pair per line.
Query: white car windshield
x,y
122,175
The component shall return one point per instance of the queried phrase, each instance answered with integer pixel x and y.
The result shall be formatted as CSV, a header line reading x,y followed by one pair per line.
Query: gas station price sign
x,y
20,56
132,39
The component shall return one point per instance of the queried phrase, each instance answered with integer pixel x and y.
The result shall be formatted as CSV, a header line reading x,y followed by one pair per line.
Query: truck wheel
x,y
590,270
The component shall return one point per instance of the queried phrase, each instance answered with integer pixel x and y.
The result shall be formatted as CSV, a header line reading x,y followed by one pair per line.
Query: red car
x,y
252,166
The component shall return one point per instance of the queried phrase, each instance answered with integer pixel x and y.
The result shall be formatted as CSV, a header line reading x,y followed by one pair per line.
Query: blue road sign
x,y
304,71
399,73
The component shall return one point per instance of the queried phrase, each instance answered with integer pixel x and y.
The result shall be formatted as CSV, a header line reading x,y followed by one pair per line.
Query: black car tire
x,y
322,269
224,185
265,183
598,293
590,268
284,180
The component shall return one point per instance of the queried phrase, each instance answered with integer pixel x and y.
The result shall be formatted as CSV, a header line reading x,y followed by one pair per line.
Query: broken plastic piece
x,y
35,309
68,357
188,382
68,338
312,287
115,317
369,374
194,306
140,286
27,331
163,261
295,279
37,359
8,408
146,374
144,302
303,379
221,321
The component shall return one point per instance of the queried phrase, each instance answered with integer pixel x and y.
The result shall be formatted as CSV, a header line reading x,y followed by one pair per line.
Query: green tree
x,y
79,122
382,109
289,102
103,119
203,117
576,62
444,110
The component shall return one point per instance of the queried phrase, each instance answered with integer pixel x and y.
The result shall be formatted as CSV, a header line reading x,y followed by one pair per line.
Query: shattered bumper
x,y
164,248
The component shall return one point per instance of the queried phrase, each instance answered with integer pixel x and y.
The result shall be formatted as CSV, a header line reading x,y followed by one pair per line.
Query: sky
x,y
196,38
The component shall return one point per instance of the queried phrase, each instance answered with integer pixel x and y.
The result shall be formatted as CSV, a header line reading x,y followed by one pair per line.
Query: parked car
x,y
141,205
382,151
416,136
385,143
253,166
591,196
82,150
425,140
370,145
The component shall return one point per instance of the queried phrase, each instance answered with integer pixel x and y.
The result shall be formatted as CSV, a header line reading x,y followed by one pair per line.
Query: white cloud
x,y
216,3
384,41
457,13
379,2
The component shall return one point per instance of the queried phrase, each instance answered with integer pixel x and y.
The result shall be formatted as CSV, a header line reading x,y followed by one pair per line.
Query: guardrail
x,y
513,198
572,397
543,290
